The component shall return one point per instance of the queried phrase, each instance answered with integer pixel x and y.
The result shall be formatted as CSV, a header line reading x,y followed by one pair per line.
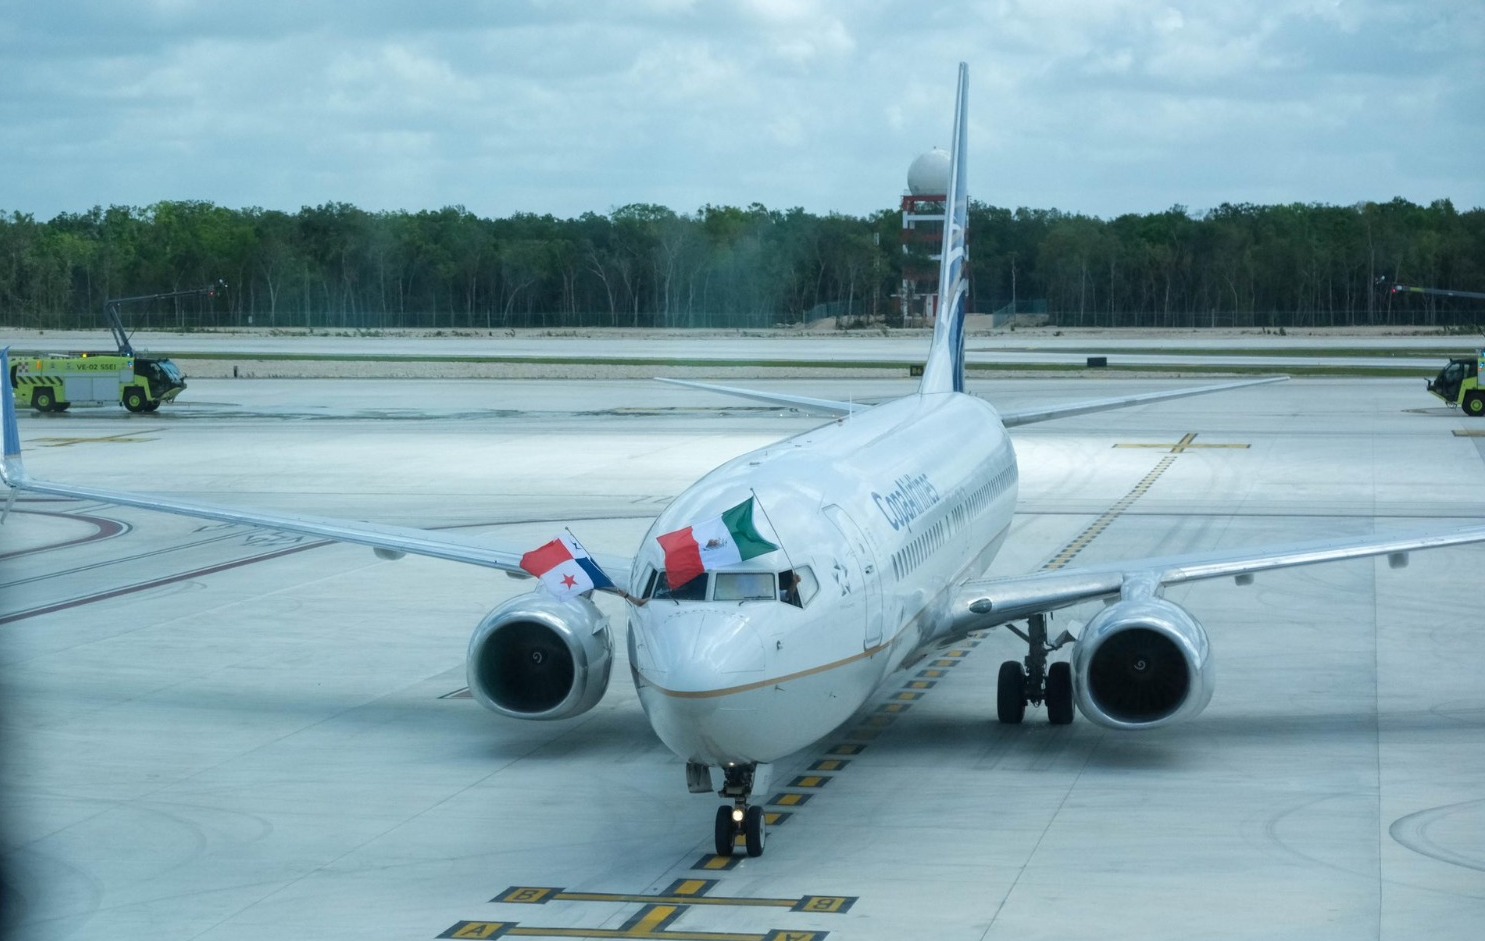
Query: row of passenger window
x,y
960,514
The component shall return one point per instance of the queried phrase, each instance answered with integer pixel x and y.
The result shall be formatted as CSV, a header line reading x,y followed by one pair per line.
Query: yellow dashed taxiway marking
x,y
1180,447
106,439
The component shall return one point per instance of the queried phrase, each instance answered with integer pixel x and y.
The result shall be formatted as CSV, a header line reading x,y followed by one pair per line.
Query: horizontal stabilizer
x,y
1087,406
801,402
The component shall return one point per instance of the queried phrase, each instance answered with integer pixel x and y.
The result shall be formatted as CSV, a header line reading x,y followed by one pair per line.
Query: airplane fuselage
x,y
884,512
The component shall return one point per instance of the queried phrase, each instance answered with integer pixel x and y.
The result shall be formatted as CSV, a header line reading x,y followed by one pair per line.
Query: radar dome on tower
x,y
929,174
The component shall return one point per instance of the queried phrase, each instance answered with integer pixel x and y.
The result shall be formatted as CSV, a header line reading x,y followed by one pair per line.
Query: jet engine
x,y
1142,663
535,657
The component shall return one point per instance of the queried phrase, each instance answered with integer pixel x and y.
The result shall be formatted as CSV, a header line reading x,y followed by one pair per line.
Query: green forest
x,y
335,266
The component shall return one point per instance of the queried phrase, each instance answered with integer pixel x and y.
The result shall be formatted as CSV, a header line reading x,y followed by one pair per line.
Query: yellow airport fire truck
x,y
54,382
1458,383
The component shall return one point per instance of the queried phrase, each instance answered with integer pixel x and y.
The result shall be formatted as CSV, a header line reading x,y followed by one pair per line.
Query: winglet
x,y
12,472
944,370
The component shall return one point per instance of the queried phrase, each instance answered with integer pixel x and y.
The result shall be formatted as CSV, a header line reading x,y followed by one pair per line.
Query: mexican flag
x,y
712,544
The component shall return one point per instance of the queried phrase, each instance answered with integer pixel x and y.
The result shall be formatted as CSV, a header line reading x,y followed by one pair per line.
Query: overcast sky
x,y
1094,106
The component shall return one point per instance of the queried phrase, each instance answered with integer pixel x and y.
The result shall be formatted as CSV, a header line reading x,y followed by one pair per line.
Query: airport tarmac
x,y
219,733
1360,348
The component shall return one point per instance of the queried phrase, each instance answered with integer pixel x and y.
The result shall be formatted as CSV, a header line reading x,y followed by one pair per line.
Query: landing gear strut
x,y
739,817
1035,682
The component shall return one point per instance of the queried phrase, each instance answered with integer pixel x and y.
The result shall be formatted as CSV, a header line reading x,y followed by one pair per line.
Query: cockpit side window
x,y
797,586
694,590
743,586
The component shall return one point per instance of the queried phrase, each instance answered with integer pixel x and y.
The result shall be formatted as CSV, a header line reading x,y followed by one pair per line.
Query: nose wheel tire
x,y
754,830
726,832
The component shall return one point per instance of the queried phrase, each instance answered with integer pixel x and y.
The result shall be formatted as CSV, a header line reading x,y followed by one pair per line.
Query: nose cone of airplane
x,y
697,673
697,651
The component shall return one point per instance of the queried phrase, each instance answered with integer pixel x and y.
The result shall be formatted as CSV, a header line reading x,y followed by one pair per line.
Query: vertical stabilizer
x,y
944,371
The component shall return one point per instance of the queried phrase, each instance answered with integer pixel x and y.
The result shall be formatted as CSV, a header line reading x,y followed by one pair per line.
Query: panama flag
x,y
712,544
565,568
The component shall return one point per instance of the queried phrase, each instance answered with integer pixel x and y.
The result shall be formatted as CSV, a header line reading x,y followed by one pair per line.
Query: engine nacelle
x,y
535,657
1141,664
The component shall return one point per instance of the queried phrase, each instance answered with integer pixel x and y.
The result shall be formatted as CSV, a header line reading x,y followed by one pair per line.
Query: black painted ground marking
x,y
656,915
786,799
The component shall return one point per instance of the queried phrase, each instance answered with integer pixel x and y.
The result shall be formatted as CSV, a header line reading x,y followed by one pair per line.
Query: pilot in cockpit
x,y
789,588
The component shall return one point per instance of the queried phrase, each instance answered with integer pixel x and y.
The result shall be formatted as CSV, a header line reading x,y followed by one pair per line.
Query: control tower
x,y
923,209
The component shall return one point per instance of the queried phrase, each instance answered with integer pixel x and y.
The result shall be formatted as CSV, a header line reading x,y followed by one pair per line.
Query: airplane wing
x,y
387,540
987,602
801,402
1009,419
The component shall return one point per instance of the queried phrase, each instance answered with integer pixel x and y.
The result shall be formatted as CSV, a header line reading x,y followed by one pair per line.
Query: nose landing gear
x,y
738,817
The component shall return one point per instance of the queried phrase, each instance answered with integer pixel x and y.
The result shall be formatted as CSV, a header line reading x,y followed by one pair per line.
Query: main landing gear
x,y
738,817
1036,682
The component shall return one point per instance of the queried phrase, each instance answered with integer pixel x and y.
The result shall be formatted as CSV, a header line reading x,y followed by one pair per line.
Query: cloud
x,y
1100,106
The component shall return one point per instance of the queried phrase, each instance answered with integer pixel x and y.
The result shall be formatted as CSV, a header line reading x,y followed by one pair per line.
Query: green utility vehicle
x,y
1458,383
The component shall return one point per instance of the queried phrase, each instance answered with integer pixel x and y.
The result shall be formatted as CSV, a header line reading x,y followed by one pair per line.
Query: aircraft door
x,y
863,572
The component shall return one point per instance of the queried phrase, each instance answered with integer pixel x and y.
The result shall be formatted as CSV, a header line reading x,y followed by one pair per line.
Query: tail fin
x,y
944,371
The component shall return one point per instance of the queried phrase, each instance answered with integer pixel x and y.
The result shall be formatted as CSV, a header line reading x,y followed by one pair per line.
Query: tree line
x,y
335,266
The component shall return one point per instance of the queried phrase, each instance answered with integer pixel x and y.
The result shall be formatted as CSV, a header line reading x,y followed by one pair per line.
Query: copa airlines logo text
x,y
909,498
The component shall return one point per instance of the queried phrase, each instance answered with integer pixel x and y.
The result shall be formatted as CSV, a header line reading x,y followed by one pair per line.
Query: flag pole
x,y
766,517
613,587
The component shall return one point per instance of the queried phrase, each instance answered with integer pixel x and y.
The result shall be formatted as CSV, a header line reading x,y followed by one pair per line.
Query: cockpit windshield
x,y
744,586
694,590
794,586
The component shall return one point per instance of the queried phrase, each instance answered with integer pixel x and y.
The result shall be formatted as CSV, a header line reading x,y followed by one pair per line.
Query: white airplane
x,y
884,521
